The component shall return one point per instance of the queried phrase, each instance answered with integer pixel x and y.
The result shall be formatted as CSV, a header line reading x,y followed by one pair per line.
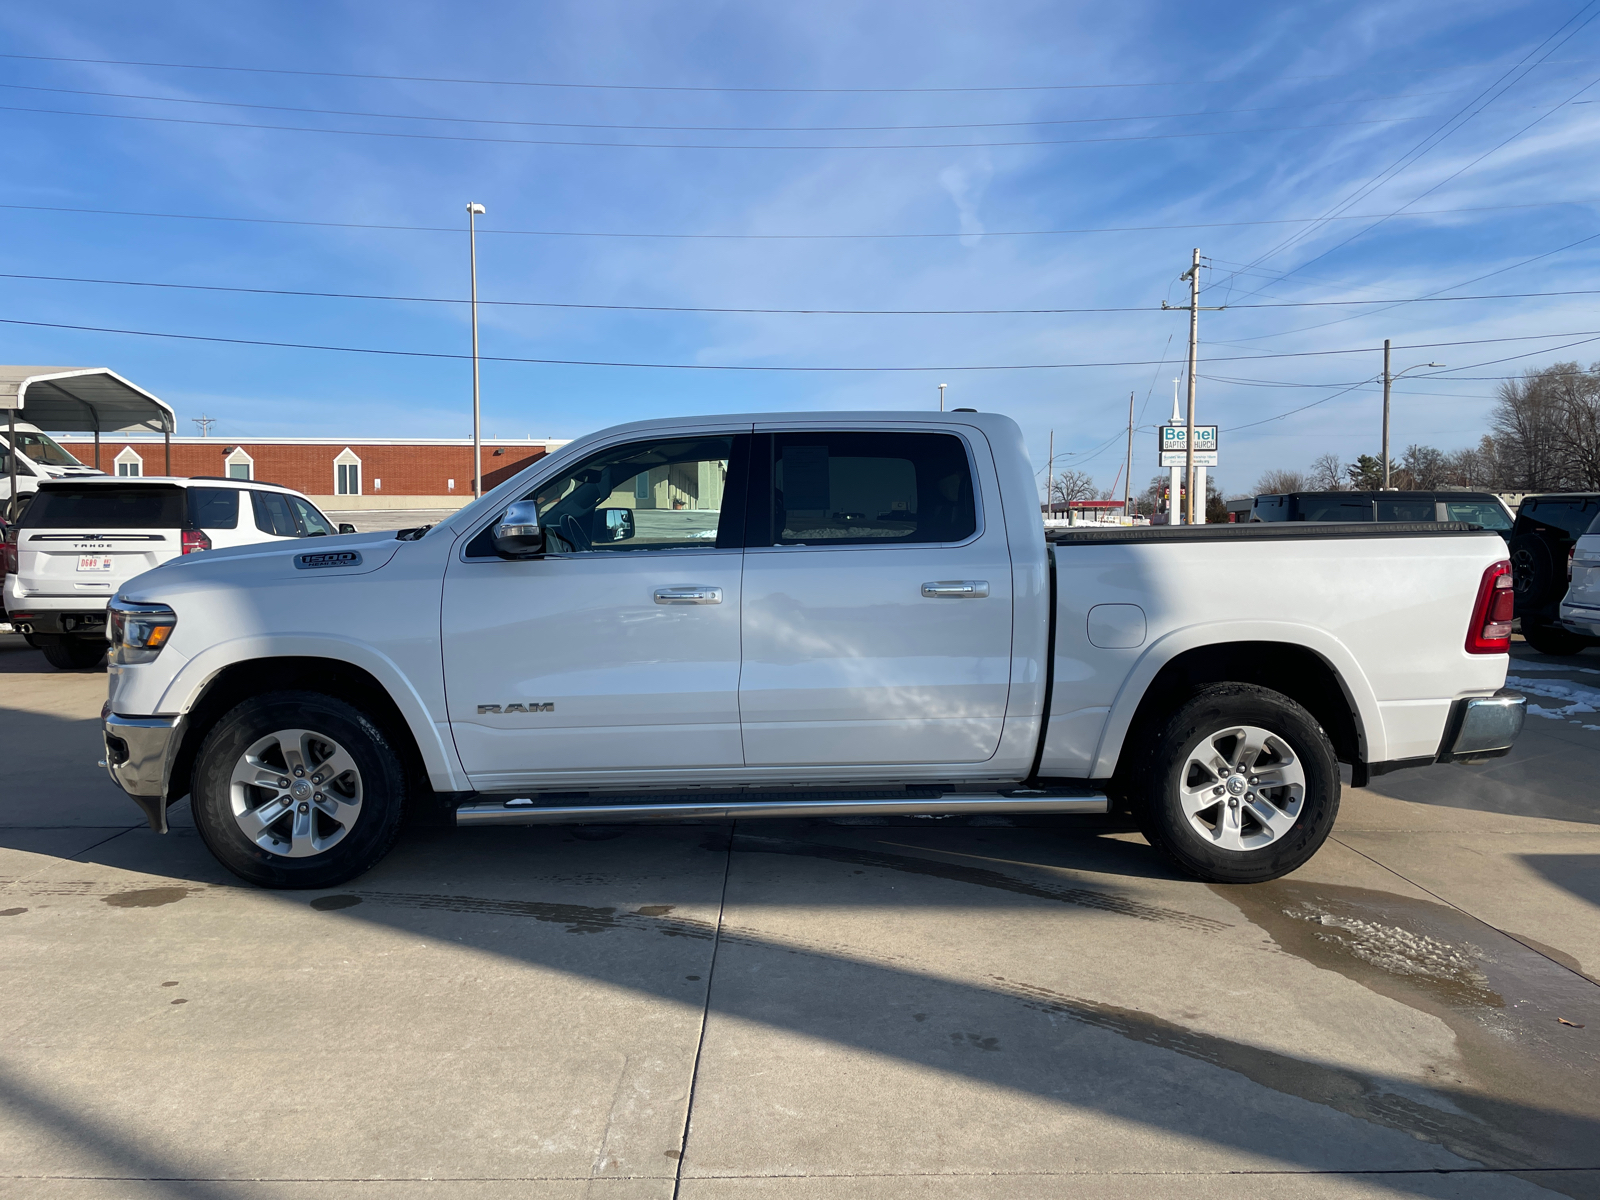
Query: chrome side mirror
x,y
517,534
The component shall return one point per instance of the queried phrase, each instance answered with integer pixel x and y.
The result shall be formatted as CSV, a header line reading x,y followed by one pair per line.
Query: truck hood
x,y
265,562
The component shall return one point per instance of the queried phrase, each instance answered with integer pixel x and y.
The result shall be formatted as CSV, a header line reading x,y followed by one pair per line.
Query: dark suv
x,y
1477,508
1546,529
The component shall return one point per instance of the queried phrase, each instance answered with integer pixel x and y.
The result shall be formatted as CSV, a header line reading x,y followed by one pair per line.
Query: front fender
x,y
437,748
1357,687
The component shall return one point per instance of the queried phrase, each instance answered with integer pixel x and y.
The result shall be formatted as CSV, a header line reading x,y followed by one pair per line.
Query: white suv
x,y
76,542
1580,607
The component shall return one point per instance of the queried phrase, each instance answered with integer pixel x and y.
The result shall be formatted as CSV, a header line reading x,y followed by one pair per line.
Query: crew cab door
x,y
877,600
618,650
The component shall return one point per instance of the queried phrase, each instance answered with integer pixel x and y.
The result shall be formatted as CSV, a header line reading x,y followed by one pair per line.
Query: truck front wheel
x,y
1241,785
298,790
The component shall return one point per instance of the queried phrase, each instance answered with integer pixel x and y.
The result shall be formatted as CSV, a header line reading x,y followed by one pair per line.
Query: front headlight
x,y
138,631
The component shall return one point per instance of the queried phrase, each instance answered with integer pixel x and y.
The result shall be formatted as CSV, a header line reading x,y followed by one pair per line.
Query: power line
x,y
1430,296
340,112
507,141
1453,175
565,362
796,312
579,233
640,87
1453,123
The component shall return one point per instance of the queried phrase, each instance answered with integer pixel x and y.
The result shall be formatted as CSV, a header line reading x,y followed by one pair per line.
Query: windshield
x,y
1479,512
42,448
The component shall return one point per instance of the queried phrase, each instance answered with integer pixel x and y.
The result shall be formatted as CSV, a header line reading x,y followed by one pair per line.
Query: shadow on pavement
x,y
1009,1033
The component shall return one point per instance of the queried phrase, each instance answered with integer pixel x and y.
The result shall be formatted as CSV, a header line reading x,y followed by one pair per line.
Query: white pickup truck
x,y
812,614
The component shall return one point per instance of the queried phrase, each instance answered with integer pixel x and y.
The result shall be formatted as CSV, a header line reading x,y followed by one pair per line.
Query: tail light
x,y
195,540
1490,631
9,550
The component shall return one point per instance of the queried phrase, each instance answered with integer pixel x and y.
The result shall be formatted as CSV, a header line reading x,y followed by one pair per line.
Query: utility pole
x,y
1127,478
1193,276
1050,478
942,387
206,423
474,211
1194,351
1385,414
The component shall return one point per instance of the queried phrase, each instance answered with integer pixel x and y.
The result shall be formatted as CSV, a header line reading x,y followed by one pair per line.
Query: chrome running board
x,y
522,810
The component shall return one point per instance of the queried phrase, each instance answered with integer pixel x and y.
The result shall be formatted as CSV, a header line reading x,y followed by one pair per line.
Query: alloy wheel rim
x,y
1242,788
295,793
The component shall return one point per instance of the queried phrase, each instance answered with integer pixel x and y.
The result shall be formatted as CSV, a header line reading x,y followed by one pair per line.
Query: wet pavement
x,y
865,1007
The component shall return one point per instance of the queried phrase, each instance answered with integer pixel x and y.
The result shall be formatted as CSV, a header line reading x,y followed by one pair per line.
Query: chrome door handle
x,y
956,589
689,595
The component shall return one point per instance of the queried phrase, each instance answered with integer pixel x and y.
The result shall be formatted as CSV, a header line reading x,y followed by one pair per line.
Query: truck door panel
x,y
877,603
619,649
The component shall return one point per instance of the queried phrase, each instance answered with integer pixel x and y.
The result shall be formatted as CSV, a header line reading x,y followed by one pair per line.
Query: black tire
x,y
71,653
1265,853
379,785
1554,640
1533,571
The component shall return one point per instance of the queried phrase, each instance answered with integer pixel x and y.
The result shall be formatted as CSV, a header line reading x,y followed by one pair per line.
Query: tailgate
x,y
83,563
83,540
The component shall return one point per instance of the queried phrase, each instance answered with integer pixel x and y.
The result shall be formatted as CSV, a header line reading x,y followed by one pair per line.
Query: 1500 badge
x,y
328,558
511,708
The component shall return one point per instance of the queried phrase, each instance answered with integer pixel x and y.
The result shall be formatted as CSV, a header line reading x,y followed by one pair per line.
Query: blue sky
x,y
1232,116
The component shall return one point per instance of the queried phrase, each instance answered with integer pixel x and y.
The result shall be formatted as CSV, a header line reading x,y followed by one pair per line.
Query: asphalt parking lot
x,y
889,1007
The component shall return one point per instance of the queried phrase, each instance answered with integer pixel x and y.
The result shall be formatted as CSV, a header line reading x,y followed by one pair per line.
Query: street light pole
x,y
1387,380
474,211
942,387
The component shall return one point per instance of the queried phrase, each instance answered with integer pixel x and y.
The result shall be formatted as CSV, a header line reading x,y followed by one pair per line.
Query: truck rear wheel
x,y
298,790
71,653
1240,786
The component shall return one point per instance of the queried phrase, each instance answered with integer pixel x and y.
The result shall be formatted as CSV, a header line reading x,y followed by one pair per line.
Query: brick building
x,y
338,474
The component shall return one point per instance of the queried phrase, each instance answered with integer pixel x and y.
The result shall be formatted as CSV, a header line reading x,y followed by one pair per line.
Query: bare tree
x,y
1426,467
1069,487
1527,421
1278,480
1327,474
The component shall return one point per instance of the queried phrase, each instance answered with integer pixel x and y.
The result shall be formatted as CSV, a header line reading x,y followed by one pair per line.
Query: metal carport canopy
x,y
74,399
79,399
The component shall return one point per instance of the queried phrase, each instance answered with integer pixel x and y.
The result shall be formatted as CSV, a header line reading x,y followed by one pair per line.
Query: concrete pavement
x,y
889,1007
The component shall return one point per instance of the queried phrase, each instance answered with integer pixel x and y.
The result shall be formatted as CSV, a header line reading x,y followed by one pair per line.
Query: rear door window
x,y
1412,508
1318,508
1571,517
864,489
213,508
273,514
137,506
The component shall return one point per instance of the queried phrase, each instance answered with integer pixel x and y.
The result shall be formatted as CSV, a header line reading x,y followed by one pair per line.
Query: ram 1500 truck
x,y
812,614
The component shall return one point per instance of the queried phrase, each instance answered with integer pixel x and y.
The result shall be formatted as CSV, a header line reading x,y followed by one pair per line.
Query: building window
x,y
240,464
129,462
346,474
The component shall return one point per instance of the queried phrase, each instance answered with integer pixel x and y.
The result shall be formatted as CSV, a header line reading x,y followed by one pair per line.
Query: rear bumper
x,y
139,754
75,623
1581,618
1483,727
81,615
